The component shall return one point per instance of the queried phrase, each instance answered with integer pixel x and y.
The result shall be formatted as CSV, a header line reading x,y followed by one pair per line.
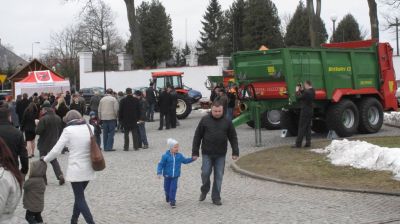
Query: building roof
x,y
9,59
34,65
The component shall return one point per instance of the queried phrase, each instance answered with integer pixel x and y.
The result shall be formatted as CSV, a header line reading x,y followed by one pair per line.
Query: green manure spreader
x,y
354,83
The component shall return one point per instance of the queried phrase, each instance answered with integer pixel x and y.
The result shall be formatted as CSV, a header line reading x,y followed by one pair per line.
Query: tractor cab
x,y
164,79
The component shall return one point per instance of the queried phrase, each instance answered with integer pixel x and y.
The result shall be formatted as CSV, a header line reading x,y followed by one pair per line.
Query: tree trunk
x,y
311,15
373,17
134,29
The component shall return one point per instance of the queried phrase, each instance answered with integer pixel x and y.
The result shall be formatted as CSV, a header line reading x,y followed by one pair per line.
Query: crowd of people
x,y
59,123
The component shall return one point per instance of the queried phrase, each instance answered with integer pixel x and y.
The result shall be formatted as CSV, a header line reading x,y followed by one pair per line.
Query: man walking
x,y
129,115
151,100
213,133
306,97
49,129
174,103
14,139
108,114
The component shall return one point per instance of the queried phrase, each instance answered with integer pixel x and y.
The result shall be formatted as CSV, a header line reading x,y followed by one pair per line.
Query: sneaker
x,y
61,180
202,196
173,205
217,202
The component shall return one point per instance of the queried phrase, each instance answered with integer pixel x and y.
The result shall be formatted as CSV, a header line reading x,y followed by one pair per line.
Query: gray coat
x,y
35,187
49,129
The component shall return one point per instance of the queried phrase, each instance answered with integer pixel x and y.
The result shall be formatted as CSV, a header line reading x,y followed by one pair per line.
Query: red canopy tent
x,y
41,81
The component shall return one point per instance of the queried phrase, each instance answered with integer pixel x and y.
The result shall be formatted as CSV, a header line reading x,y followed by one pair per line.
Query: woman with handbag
x,y
77,137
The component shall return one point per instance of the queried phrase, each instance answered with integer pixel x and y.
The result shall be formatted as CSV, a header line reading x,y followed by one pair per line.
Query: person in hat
x,y
170,168
108,114
129,115
49,129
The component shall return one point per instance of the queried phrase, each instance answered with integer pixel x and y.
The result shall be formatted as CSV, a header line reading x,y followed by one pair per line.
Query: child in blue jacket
x,y
170,168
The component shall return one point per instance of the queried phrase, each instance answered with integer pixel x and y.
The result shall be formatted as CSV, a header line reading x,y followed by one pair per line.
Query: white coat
x,y
77,139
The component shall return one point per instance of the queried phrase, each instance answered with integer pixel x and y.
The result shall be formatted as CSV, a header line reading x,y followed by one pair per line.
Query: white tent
x,y
42,81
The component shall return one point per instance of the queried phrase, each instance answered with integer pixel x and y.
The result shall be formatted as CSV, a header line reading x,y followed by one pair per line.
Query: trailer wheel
x,y
290,122
184,107
371,115
343,118
272,119
319,126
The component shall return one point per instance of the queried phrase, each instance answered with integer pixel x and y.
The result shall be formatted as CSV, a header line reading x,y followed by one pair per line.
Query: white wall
x,y
193,77
396,65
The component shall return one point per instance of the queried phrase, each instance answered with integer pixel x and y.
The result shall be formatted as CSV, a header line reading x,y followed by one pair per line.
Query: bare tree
x,y
313,16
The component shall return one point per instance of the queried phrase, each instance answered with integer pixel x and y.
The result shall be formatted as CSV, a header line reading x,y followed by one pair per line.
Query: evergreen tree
x,y
156,30
261,25
210,44
297,31
233,34
347,30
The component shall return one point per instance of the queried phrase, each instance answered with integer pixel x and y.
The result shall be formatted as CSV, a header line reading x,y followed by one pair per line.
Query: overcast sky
x,y
24,22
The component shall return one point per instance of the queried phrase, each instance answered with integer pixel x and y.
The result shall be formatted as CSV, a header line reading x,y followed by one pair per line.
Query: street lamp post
x,y
103,49
333,18
36,42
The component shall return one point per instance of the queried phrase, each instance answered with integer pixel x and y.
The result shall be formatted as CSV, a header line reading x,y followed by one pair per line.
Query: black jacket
x,y
49,129
165,102
28,121
78,107
306,98
213,135
150,96
129,111
174,100
20,108
15,141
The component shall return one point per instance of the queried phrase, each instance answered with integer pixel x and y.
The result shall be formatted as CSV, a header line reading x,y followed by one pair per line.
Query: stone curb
x,y
239,170
392,125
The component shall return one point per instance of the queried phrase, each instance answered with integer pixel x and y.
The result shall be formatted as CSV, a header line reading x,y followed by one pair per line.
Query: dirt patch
x,y
304,166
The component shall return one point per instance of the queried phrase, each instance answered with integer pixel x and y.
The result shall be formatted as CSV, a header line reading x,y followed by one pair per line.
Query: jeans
x,y
33,217
150,112
210,163
108,133
80,205
135,137
229,113
170,187
142,134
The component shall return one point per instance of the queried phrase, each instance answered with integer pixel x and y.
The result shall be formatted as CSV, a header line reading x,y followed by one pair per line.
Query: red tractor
x,y
186,96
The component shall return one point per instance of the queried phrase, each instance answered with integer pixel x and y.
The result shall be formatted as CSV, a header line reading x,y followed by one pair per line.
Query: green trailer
x,y
354,83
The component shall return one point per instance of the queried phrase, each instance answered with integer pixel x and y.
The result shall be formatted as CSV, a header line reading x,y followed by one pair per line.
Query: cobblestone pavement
x,y
128,191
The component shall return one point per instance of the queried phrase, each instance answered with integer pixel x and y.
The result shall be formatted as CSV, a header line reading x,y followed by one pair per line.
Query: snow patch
x,y
392,118
363,155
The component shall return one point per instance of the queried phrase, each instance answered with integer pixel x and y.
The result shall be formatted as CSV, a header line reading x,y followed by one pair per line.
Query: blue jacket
x,y
170,165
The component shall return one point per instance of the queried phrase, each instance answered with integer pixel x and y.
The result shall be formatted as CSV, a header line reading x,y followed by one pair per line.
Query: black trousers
x,y
135,137
167,120
304,128
172,118
33,217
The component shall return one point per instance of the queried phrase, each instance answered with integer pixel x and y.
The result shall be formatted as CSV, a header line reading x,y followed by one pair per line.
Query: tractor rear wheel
x,y
343,118
371,115
272,119
184,106
290,122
